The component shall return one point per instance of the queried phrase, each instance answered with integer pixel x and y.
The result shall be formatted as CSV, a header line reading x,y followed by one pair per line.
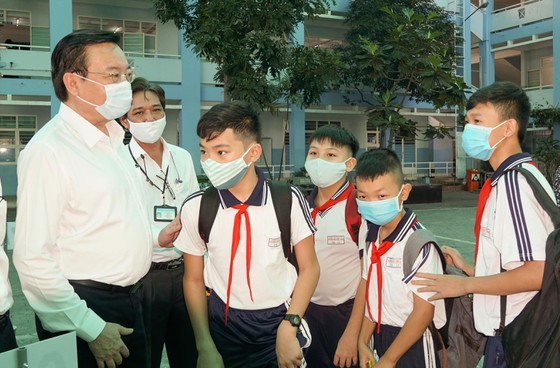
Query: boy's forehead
x,y
326,143
385,181
482,109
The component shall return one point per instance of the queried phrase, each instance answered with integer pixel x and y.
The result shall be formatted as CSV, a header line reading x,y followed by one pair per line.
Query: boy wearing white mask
x,y
335,312
247,320
168,175
511,228
396,314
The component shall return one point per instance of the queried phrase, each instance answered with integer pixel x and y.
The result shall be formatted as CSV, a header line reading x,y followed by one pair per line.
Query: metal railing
x,y
416,170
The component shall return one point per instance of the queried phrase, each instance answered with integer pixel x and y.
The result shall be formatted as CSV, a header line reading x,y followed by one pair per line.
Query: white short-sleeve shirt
x,y
513,230
397,297
272,276
337,253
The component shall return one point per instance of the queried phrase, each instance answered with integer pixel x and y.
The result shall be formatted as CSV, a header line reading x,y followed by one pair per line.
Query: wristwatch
x,y
294,319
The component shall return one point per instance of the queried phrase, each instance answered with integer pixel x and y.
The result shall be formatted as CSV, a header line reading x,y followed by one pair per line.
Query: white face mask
x,y
324,173
225,175
147,132
118,97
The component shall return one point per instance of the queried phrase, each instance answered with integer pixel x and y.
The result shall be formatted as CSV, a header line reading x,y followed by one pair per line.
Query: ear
x,y
407,188
512,127
70,81
124,122
255,152
351,164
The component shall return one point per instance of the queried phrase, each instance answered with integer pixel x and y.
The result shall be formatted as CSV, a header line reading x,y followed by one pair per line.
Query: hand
x,y
169,233
453,257
288,350
444,286
366,355
210,358
108,348
346,354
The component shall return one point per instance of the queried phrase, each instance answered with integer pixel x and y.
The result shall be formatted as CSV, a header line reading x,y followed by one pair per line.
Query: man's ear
x,y
124,122
70,81
255,152
407,188
351,164
512,127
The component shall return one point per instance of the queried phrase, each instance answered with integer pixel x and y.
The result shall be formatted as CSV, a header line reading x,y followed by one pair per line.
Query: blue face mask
x,y
380,212
475,141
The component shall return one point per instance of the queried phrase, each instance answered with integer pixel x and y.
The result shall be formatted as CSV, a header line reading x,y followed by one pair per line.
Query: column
x,y
297,152
60,23
487,66
556,61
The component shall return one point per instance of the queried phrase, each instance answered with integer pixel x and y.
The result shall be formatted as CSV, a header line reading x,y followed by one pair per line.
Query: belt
x,y
4,316
169,265
108,287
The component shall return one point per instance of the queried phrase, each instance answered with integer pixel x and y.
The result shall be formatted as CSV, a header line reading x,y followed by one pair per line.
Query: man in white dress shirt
x,y
83,240
167,172
7,336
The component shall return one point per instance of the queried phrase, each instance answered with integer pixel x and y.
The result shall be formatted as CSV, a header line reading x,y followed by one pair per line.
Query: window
x,y
372,134
15,132
312,125
137,37
15,29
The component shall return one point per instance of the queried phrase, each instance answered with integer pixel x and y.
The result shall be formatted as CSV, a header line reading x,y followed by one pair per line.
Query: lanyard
x,y
145,172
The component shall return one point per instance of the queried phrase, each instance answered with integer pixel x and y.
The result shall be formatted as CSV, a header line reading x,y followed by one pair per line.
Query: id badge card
x,y
165,213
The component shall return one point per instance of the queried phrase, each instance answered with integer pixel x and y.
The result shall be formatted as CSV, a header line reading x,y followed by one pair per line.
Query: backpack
x,y
532,339
281,193
464,346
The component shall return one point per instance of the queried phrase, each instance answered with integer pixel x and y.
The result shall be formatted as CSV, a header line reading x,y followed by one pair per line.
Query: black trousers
x,y
167,320
7,335
116,307
327,324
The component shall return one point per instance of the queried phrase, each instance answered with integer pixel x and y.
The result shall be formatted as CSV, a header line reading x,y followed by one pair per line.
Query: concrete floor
x,y
451,221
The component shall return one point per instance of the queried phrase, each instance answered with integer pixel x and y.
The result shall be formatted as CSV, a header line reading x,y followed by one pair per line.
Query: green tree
x,y
546,153
250,42
397,51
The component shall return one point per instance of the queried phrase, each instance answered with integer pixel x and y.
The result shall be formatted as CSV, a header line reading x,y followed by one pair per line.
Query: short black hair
x,y
338,136
69,55
238,116
509,99
143,85
378,162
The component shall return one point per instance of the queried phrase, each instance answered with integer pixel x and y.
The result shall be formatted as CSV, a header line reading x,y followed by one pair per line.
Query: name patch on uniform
x,y
485,231
274,242
393,262
335,240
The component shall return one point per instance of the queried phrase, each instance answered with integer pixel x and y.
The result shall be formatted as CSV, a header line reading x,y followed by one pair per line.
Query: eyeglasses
x,y
116,76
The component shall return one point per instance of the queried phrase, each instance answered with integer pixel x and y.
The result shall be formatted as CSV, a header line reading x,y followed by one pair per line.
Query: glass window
x,y
15,132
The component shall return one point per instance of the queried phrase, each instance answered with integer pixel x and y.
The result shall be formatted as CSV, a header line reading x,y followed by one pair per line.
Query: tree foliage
x,y
398,51
250,42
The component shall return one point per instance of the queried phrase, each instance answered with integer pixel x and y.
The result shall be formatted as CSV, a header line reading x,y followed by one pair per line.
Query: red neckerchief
x,y
242,211
376,254
331,202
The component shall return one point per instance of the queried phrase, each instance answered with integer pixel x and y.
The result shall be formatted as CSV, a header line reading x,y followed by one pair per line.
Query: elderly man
x,y
83,240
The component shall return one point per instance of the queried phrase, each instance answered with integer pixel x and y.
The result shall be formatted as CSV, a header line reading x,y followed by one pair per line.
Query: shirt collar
x,y
89,133
509,163
257,198
334,197
408,220
138,151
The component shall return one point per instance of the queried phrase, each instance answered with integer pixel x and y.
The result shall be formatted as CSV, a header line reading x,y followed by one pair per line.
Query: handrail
x,y
515,6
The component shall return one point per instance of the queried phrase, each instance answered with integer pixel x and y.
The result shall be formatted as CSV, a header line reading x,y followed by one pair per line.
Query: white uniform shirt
x,y
337,253
6,299
80,216
181,178
513,229
397,298
272,276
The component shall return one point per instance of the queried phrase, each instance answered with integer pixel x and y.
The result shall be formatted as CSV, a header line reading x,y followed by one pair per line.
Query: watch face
x,y
294,319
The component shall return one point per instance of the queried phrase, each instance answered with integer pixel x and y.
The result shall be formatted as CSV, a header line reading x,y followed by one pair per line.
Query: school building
x,y
495,40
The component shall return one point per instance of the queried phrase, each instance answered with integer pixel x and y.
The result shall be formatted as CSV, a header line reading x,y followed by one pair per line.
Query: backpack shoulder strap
x,y
414,245
209,204
353,218
281,193
542,196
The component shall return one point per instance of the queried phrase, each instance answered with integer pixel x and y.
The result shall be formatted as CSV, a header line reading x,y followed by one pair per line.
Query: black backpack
x,y
464,344
281,193
532,339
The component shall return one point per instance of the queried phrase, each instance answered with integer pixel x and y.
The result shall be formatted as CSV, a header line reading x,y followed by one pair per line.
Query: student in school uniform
x,y
396,313
252,317
167,174
511,227
336,309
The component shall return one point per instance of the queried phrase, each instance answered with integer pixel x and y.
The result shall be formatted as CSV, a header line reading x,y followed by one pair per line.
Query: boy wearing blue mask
x,y
396,313
252,317
335,312
511,227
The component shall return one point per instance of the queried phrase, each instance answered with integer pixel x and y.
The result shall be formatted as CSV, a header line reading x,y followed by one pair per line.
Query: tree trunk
x,y
227,96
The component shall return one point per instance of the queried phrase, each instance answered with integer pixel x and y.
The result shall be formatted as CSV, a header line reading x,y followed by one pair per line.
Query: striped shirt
x,y
513,230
